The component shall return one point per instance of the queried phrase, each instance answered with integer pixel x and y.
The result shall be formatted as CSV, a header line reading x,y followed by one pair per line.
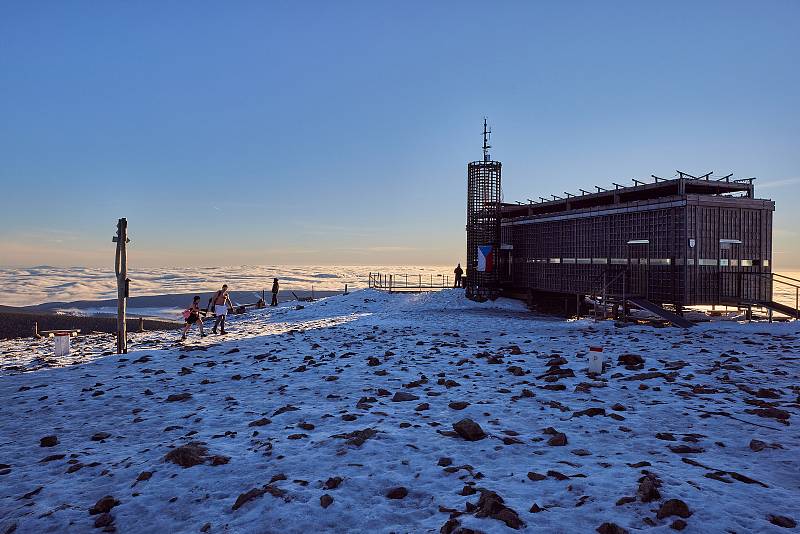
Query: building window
x,y
584,261
601,261
747,263
555,260
619,261
707,262
568,260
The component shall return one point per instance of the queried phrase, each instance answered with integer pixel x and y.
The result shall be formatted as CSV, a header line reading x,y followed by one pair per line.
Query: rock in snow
x,y
469,430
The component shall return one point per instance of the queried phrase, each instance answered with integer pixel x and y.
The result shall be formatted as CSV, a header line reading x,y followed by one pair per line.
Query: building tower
x,y
483,224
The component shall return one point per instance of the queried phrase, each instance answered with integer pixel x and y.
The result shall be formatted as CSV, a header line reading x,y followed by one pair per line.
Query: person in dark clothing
x,y
192,316
275,289
459,272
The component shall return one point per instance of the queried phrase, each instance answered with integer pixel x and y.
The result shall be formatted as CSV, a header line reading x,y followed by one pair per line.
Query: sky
x,y
339,132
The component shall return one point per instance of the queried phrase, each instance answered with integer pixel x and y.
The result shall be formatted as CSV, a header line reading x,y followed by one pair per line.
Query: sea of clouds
x,y
37,285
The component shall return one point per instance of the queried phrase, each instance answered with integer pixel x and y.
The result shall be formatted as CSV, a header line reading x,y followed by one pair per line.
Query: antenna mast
x,y
486,146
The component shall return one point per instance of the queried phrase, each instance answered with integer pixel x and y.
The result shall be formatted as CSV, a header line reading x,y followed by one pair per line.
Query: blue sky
x,y
339,132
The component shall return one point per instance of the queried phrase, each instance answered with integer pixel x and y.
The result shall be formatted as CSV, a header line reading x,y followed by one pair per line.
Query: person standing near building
x,y
220,301
275,289
459,272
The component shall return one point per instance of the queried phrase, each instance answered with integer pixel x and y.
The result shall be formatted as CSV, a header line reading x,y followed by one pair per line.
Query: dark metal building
x,y
678,242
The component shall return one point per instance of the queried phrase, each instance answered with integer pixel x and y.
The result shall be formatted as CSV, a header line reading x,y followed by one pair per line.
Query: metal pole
x,y
624,297
604,295
797,303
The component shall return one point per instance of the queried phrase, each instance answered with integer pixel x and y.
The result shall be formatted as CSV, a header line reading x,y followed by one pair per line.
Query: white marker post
x,y
595,360
61,340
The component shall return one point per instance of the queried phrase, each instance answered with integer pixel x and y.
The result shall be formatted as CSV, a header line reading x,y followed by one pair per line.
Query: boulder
x,y
48,441
782,521
611,528
104,505
469,430
673,507
189,455
397,493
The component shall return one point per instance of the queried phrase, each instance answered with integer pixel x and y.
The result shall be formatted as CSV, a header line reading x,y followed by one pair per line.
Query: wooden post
x,y
36,330
141,324
121,270
345,289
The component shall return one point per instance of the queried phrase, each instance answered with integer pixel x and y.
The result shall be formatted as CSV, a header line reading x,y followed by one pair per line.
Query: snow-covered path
x,y
298,404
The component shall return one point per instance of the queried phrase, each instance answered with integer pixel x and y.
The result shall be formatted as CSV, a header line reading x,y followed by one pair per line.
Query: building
x,y
668,243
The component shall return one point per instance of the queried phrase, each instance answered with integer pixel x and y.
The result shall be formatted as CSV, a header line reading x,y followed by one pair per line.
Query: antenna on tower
x,y
486,146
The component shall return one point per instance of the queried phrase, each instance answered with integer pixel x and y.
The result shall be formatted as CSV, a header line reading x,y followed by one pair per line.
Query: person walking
x,y
220,301
459,272
192,316
275,289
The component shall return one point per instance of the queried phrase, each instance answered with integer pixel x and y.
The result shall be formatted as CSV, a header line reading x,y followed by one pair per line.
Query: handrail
x,y
404,281
784,276
773,278
769,276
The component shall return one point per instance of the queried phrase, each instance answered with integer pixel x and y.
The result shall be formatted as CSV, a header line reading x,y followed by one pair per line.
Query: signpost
x,y
121,270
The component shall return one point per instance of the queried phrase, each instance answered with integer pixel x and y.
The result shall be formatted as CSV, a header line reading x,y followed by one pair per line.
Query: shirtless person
x,y
220,302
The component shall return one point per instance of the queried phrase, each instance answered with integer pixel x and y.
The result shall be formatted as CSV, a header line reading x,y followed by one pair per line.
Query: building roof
x,y
642,191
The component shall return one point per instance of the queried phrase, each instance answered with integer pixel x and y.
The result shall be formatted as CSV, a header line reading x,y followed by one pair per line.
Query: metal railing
x,y
392,282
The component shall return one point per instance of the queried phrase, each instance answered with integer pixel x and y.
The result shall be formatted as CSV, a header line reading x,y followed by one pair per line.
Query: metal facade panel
x,y
682,263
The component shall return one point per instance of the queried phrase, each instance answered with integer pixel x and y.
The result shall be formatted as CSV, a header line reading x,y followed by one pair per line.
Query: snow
x,y
418,340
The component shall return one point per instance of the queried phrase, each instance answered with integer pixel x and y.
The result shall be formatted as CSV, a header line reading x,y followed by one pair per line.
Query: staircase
x,y
780,308
673,318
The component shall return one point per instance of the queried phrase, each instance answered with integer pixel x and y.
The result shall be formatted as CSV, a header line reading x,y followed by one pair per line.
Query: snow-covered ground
x,y
299,408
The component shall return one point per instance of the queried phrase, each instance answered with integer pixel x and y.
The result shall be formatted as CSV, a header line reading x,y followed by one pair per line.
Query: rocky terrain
x,y
401,413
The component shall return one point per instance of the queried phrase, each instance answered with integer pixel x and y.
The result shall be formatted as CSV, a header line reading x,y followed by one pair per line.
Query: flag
x,y
485,258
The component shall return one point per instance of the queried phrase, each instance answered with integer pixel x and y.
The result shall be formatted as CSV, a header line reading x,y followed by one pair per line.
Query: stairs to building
x,y
673,318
